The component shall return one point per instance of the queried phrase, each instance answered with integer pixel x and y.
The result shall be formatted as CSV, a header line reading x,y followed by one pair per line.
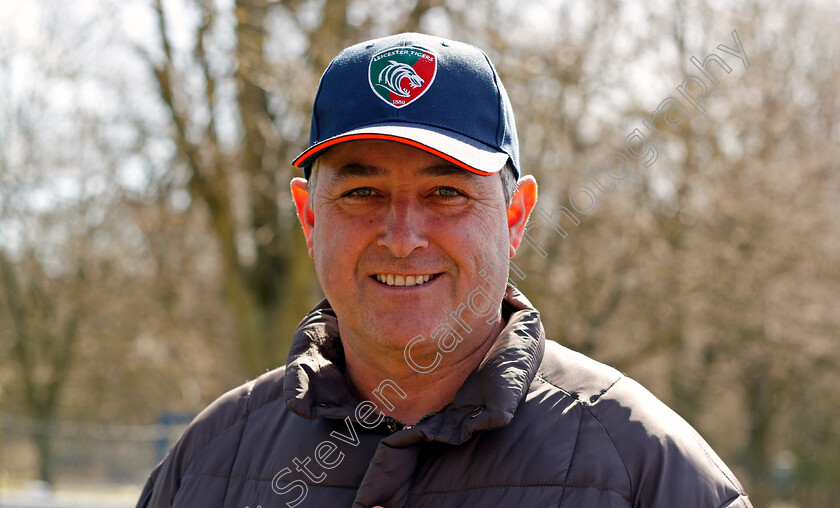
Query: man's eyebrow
x,y
354,170
443,170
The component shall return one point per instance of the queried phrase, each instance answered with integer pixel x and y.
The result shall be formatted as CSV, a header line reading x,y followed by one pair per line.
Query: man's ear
x,y
300,195
520,209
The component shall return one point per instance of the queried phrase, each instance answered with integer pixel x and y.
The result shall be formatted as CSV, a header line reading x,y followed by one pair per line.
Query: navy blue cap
x,y
442,96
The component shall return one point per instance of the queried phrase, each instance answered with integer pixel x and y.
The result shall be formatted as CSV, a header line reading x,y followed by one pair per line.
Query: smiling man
x,y
423,379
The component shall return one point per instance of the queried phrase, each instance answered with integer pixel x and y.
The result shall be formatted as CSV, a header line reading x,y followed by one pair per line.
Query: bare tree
x,y
44,332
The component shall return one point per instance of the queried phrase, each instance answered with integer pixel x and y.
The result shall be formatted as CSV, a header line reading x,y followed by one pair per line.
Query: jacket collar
x,y
315,387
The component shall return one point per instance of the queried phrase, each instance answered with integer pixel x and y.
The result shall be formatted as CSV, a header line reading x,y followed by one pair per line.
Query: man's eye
x,y
448,192
361,192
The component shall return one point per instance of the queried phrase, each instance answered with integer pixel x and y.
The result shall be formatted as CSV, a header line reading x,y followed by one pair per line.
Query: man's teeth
x,y
402,280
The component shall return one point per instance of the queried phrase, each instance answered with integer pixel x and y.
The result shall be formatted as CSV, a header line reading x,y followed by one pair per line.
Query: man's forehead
x,y
377,158
355,169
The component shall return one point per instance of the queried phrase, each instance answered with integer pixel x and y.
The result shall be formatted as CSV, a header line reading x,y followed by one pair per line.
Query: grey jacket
x,y
535,425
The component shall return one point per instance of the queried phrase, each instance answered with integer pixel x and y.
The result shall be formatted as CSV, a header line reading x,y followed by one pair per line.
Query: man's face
x,y
385,214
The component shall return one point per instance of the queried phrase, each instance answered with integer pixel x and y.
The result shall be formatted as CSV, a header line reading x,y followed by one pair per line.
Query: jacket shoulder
x,y
576,374
664,462
215,431
667,461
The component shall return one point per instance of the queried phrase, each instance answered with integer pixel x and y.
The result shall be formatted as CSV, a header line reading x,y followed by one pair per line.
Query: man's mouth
x,y
404,280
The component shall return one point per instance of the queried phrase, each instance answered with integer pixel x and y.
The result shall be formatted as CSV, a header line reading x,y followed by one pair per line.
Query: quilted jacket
x,y
535,425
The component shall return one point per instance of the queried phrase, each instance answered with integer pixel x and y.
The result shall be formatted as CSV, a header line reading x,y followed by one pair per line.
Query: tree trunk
x,y
43,438
759,404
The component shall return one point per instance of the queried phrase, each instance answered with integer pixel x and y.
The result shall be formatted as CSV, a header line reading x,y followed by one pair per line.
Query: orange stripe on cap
x,y
385,137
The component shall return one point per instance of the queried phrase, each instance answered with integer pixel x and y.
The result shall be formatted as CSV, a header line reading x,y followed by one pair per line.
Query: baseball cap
x,y
438,95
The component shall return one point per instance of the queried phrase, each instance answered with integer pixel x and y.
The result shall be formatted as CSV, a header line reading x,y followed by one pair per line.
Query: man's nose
x,y
403,228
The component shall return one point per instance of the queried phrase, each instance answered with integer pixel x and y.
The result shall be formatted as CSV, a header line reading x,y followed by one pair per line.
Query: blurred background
x,y
150,259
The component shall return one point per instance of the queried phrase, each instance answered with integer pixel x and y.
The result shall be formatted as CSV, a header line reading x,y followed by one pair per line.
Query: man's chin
x,y
401,329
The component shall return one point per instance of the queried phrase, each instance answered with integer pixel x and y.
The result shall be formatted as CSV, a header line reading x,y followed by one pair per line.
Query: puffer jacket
x,y
535,425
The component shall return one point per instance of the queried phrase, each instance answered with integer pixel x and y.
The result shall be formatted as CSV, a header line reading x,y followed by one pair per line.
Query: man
x,y
423,379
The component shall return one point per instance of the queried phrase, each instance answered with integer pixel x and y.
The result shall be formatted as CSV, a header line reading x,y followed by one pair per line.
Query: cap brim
x,y
457,149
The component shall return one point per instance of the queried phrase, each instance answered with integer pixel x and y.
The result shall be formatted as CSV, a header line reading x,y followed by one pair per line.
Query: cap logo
x,y
399,76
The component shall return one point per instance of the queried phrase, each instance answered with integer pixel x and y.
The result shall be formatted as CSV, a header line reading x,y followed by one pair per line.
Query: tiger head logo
x,y
401,75
391,76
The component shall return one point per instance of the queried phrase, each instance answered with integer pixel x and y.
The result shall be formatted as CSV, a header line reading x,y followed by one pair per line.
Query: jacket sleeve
x,y
158,489
146,495
667,462
199,446
742,501
163,482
